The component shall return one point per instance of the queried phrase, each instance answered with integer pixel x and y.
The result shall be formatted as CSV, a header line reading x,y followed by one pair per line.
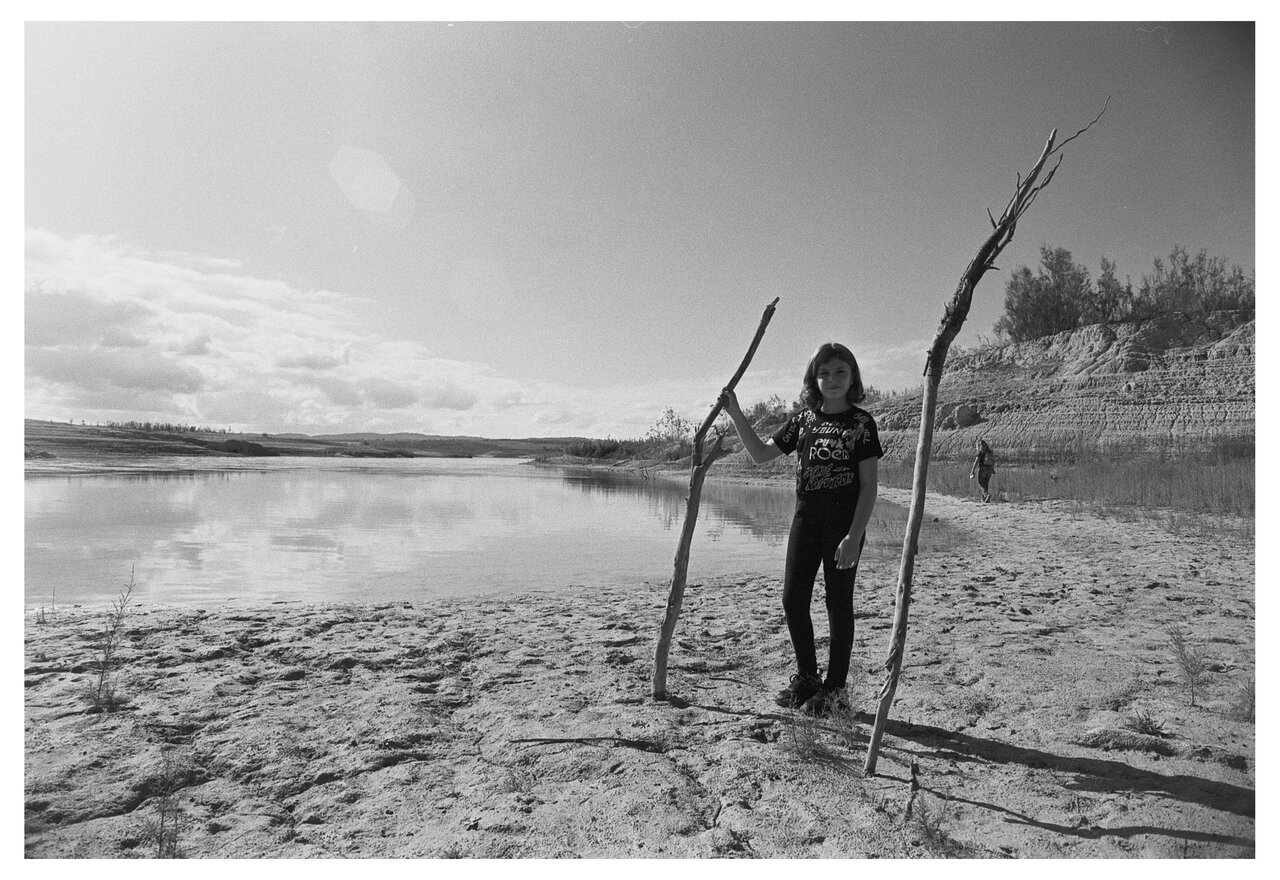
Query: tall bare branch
x,y
700,463
953,317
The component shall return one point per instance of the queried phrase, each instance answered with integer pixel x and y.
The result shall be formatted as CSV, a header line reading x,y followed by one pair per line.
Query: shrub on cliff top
x,y
1061,296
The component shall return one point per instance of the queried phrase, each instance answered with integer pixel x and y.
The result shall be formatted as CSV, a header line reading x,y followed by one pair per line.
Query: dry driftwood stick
x,y
643,745
700,464
952,320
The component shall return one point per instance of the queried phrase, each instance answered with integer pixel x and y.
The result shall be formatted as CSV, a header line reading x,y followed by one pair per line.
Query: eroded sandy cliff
x,y
1166,381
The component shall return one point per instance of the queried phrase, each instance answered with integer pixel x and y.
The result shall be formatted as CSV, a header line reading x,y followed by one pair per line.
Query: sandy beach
x,y
523,726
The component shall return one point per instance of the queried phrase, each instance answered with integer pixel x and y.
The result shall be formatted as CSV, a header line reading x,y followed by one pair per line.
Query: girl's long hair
x,y
983,447
810,396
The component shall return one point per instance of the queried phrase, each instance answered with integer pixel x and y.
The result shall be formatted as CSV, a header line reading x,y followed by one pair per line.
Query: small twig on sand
x,y
643,745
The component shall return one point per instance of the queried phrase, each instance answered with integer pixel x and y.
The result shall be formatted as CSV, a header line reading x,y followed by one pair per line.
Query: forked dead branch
x,y
700,463
953,317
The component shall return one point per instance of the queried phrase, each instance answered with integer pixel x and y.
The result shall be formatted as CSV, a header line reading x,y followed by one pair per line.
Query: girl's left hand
x,y
729,401
847,553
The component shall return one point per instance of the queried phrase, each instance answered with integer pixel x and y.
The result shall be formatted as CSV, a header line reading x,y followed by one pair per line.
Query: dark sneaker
x,y
802,687
827,701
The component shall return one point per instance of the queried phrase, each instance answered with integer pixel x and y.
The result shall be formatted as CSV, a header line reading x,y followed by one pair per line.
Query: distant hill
x,y
403,437
58,440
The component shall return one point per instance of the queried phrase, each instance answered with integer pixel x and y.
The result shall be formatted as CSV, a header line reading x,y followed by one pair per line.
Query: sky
x,y
561,229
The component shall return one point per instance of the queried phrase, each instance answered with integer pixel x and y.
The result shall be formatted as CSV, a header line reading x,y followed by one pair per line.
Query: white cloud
x,y
552,417
339,392
95,369
55,316
449,396
115,333
385,394
196,261
118,337
198,345
315,360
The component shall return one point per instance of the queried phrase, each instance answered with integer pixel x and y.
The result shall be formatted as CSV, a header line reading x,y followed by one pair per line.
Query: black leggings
x,y
816,532
984,477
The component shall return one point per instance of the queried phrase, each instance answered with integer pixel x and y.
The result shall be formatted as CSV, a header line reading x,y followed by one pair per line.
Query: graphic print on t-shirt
x,y
828,447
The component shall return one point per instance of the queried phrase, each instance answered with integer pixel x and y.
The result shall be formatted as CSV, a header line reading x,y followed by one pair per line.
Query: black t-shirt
x,y
829,448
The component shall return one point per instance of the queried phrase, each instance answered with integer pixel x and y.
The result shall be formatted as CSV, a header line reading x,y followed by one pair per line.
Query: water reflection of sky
x,y
379,530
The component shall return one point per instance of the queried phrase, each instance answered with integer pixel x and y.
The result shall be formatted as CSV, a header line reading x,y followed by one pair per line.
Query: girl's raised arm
x,y
759,450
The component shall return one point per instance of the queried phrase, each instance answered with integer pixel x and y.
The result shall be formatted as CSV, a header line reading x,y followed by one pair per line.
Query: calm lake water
x,y
201,532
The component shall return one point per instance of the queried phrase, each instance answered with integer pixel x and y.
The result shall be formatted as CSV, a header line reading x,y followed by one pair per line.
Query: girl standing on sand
x,y
984,465
838,451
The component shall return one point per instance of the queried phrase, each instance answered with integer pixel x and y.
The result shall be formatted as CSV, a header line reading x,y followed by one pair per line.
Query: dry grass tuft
x,y
103,694
842,718
924,829
1242,707
800,735
45,615
843,721
518,779
1193,668
1125,741
1143,723
977,705
164,830
1123,694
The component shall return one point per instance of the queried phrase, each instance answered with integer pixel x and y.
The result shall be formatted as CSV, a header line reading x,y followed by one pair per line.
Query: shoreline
x,y
522,726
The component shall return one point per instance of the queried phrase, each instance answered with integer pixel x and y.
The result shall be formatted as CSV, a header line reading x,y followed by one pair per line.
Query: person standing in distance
x,y
984,465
